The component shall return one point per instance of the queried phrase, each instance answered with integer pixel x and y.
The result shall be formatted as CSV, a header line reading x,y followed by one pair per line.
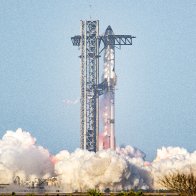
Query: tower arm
x,y
76,40
116,40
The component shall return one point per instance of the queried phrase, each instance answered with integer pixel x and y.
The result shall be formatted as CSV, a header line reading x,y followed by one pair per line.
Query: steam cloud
x,y
71,102
82,170
20,156
172,159
124,168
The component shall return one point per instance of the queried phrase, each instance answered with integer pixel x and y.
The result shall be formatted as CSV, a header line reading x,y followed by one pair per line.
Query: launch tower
x,y
91,45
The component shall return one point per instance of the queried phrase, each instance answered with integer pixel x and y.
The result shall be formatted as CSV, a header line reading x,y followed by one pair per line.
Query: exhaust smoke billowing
x,y
82,170
20,156
124,168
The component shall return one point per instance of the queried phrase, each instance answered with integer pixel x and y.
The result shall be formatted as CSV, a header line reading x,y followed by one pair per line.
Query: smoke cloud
x,y
71,102
20,156
172,159
124,168
82,170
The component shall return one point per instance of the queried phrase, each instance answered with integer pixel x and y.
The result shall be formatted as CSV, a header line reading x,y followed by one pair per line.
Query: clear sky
x,y
39,68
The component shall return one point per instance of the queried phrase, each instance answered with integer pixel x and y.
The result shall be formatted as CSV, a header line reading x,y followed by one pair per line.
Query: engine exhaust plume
x,y
22,160
21,156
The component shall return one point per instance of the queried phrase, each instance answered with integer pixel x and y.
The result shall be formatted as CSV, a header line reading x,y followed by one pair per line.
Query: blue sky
x,y
39,68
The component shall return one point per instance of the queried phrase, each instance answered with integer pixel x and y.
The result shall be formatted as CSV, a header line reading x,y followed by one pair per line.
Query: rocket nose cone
x,y
109,31
109,28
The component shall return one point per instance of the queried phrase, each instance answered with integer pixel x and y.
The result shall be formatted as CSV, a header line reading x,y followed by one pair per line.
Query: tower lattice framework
x,y
89,80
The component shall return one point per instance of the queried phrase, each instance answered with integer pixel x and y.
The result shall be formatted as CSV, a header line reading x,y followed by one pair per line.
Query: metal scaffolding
x,y
90,43
89,80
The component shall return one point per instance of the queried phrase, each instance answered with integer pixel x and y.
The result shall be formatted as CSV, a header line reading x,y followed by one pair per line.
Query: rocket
x,y
107,137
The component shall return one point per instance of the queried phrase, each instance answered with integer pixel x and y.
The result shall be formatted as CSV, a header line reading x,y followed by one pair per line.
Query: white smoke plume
x,y
124,168
82,170
20,156
71,102
172,159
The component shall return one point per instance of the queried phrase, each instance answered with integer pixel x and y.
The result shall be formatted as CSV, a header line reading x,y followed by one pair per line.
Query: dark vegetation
x,y
95,192
92,193
184,184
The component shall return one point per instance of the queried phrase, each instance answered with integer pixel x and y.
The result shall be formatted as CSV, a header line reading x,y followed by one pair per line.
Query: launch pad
x,y
91,46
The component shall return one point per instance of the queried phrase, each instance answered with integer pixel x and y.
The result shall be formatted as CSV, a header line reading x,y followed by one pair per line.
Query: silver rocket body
x,y
107,104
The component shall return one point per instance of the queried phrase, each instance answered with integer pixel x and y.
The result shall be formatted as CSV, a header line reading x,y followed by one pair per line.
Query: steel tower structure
x,y
91,45
89,77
